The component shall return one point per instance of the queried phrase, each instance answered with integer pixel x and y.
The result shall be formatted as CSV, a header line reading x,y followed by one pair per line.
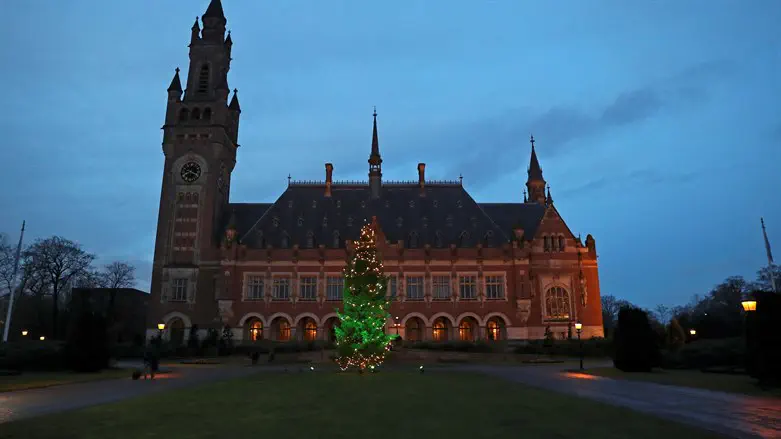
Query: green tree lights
x,y
361,340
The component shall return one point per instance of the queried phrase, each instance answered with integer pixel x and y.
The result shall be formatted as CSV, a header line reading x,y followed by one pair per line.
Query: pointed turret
x,y
196,32
549,198
176,84
375,161
214,22
234,105
535,183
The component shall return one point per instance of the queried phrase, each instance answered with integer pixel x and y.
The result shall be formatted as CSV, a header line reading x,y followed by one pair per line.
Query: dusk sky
x,y
658,124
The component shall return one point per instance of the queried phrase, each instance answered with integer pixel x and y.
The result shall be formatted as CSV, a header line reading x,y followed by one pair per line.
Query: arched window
x,y
412,242
337,241
310,331
207,113
546,241
413,329
561,243
176,331
284,330
196,114
203,79
285,241
440,330
557,304
489,238
494,329
184,115
438,239
310,240
465,330
256,330
463,238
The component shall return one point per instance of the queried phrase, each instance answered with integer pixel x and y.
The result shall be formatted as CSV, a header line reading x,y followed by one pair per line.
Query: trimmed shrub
x,y
703,354
29,355
635,342
592,347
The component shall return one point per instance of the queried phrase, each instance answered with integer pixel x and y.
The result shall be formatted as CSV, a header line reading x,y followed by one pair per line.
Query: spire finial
x,y
177,69
460,179
288,179
531,139
374,113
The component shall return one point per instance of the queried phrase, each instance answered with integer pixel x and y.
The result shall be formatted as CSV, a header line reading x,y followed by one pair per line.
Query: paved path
x,y
738,416
34,402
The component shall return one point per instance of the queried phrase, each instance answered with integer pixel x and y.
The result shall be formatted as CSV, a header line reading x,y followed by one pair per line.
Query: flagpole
x,y
13,287
770,264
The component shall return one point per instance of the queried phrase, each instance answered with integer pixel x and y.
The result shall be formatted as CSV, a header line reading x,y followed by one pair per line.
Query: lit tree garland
x,y
361,340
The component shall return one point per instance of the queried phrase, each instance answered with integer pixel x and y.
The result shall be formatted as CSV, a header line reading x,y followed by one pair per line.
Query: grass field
x,y
691,378
35,380
337,405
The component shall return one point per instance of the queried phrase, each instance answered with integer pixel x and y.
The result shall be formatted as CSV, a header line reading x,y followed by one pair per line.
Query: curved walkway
x,y
735,415
26,403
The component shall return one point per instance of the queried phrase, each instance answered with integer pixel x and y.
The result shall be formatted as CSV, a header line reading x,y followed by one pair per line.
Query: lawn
x,y
327,405
36,380
691,378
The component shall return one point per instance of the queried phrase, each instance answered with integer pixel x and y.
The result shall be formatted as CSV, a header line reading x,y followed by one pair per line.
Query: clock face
x,y
191,171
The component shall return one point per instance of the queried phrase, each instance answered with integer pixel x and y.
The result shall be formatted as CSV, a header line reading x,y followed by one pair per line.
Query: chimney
x,y
422,177
329,170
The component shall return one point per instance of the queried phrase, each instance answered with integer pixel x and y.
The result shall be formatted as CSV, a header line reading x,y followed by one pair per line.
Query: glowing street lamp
x,y
693,332
24,332
579,328
161,326
749,305
42,338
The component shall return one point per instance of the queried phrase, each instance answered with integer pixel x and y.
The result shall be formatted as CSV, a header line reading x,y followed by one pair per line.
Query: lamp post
x,y
579,329
749,307
160,328
397,325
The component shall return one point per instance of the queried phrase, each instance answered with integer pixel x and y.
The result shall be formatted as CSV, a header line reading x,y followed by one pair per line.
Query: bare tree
x,y
610,308
7,257
115,276
663,314
58,260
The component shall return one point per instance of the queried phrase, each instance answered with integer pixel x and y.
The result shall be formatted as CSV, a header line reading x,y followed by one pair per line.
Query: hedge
x,y
31,355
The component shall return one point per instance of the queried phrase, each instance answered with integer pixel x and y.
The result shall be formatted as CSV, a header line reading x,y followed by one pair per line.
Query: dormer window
x,y
412,242
275,221
325,221
300,221
349,221
449,220
399,222
438,239
488,238
310,239
337,241
203,79
285,241
463,238
425,221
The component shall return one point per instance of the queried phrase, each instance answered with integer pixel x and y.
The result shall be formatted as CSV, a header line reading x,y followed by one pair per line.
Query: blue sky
x,y
658,124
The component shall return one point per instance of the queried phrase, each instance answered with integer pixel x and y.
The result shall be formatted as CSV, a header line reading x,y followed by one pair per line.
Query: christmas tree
x,y
361,340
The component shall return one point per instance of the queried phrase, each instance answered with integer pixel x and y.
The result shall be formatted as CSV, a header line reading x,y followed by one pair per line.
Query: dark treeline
x,y
49,269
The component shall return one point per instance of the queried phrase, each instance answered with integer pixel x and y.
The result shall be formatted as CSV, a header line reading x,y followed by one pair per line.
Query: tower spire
x,y
375,161
535,183
214,22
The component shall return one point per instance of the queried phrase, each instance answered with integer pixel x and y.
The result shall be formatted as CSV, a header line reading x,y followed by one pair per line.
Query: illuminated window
x,y
254,287
179,290
308,288
441,286
494,329
256,330
334,287
494,287
310,331
440,329
557,305
283,333
414,287
281,288
466,330
467,286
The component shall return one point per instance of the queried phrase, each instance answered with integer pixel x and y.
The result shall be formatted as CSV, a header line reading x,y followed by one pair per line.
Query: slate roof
x,y
446,215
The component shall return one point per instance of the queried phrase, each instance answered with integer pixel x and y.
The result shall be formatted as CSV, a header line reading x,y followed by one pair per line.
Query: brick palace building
x,y
458,269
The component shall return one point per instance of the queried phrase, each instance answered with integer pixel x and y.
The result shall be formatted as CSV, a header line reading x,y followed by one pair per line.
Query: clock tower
x,y
200,139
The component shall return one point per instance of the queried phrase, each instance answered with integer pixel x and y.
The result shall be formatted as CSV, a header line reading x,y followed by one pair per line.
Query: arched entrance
x,y
495,329
440,329
253,330
413,330
280,328
467,329
308,329
328,327
176,331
